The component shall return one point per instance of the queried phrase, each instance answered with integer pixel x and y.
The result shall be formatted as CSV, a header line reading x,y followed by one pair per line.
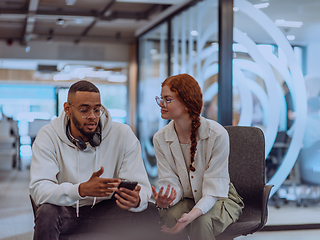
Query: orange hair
x,y
189,92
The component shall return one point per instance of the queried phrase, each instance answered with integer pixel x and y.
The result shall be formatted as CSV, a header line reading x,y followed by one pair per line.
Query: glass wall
x,y
276,83
277,93
193,50
153,69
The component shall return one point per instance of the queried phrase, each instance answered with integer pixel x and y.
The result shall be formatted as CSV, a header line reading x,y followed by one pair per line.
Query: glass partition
x,y
153,69
276,88
276,83
193,50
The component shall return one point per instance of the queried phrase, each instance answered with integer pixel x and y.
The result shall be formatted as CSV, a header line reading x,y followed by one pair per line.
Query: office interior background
x,y
128,47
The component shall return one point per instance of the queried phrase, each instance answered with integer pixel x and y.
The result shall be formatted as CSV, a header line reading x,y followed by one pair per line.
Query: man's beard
x,y
81,130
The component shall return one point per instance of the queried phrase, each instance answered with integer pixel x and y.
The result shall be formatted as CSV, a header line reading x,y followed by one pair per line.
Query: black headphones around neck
x,y
80,143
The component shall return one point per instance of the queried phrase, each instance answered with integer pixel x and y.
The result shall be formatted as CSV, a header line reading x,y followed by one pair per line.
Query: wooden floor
x,y
16,217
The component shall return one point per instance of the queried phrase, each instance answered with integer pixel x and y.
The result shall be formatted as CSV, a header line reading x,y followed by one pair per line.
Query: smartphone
x,y
128,184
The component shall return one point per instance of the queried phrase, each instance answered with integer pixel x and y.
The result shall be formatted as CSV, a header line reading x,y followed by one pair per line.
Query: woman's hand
x,y
164,200
185,219
180,225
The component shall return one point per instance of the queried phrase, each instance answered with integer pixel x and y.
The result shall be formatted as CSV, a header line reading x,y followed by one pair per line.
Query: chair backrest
x,y
247,165
35,126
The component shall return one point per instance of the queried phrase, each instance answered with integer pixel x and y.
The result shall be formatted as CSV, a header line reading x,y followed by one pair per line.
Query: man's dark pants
x,y
104,219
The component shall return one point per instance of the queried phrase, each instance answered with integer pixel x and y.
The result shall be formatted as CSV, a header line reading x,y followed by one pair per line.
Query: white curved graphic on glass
x,y
239,81
192,54
270,81
264,61
298,91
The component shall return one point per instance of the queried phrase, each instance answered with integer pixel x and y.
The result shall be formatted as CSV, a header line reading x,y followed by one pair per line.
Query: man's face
x,y
81,104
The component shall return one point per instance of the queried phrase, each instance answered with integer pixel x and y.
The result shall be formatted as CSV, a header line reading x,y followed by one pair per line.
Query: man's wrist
x,y
80,190
138,205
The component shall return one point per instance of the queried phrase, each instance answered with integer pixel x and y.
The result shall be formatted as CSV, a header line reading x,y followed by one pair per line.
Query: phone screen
x,y
128,185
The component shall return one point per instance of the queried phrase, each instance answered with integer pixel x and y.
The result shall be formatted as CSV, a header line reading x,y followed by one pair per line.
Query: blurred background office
x,y
128,47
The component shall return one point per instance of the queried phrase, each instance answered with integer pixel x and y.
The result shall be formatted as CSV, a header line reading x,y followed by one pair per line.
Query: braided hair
x,y
189,92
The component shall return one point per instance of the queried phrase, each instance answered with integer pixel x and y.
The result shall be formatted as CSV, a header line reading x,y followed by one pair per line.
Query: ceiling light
x,y
60,21
27,48
235,9
70,2
194,33
78,21
291,37
261,5
284,23
61,77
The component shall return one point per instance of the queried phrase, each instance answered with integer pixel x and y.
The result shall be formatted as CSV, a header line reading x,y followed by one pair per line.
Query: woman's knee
x,y
202,228
204,221
172,215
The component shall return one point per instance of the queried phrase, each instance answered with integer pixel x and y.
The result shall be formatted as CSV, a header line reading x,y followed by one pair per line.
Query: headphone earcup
x,y
80,143
95,140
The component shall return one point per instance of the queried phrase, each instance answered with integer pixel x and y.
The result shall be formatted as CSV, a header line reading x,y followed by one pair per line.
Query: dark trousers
x,y
105,220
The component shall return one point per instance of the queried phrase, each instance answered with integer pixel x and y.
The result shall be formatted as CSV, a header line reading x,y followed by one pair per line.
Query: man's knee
x,y
149,218
47,211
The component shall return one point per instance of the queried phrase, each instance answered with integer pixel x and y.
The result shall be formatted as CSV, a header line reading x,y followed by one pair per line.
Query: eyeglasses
x,y
163,101
85,112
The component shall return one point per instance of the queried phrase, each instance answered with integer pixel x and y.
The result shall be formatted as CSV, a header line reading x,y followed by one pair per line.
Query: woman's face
x,y
175,108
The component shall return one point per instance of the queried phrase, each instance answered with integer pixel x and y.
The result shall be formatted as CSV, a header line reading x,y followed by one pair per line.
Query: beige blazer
x,y
211,161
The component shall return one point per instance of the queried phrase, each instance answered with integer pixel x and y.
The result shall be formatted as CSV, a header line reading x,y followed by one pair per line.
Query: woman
x,y
192,156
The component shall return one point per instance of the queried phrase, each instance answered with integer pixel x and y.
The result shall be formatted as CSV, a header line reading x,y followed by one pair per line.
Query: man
x,y
78,161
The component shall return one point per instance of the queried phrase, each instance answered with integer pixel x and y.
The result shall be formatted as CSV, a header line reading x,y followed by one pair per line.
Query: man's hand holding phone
x,y
98,187
127,195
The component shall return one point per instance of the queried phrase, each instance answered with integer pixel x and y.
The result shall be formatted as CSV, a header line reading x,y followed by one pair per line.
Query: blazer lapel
x,y
175,148
176,151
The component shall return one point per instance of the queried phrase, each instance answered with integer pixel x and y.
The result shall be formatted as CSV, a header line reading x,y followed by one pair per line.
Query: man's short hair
x,y
82,86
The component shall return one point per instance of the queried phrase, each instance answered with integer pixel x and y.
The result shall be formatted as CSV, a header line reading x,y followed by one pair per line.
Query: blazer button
x,y
191,176
195,190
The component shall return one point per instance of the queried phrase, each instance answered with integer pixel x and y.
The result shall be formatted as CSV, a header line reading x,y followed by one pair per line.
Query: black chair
x,y
247,173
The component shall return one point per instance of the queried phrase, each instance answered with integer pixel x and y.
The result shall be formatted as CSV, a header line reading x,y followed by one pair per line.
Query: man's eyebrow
x,y
87,105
